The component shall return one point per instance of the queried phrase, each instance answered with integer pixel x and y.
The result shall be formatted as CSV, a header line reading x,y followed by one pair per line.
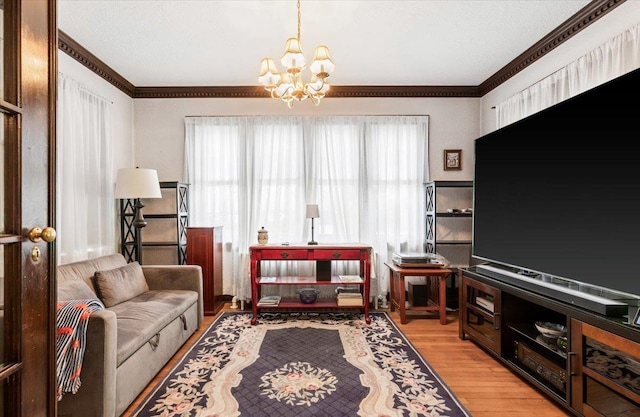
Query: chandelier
x,y
288,85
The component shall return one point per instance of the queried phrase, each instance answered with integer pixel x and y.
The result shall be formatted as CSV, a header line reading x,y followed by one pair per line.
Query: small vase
x,y
308,295
263,236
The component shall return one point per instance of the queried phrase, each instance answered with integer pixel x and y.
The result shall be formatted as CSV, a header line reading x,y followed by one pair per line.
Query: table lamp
x,y
137,183
312,213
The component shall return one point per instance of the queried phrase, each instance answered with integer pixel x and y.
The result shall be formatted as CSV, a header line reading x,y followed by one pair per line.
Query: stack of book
x,y
269,301
350,279
349,299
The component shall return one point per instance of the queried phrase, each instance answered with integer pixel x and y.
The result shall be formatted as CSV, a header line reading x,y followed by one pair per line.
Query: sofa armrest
x,y
97,393
176,277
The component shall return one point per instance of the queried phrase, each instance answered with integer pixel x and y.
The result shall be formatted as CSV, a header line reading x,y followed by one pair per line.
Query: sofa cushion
x,y
120,284
85,270
74,290
140,318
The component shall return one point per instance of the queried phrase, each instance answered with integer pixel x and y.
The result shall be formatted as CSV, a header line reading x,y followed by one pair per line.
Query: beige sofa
x,y
150,312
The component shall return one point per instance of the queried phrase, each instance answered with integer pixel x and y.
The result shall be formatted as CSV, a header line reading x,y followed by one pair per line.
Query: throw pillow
x,y
120,284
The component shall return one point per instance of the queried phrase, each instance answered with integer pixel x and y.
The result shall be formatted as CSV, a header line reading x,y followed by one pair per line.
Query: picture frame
x,y
452,159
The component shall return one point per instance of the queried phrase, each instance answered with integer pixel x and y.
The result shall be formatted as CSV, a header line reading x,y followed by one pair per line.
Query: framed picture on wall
x,y
452,159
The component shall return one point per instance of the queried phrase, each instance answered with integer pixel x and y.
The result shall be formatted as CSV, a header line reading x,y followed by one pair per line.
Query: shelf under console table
x,y
323,256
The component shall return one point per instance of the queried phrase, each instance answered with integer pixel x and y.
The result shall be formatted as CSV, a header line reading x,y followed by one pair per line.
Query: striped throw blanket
x,y
72,318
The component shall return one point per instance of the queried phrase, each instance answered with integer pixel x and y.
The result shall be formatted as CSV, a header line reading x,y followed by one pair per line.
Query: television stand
x,y
591,370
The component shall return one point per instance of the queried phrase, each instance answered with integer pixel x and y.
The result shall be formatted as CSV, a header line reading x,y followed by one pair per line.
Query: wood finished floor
x,y
485,386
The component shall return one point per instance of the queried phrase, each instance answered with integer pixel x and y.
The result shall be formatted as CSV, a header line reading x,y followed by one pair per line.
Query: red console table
x,y
323,255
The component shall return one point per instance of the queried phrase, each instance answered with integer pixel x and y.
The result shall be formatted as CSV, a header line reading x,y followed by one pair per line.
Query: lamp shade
x,y
137,183
312,211
293,58
269,75
322,63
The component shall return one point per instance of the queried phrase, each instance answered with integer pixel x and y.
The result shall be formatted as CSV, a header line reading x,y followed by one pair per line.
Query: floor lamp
x,y
137,183
312,213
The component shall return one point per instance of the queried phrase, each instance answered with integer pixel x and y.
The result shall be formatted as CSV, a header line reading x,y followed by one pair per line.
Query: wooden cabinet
x,y
605,372
204,248
594,371
322,255
503,319
480,314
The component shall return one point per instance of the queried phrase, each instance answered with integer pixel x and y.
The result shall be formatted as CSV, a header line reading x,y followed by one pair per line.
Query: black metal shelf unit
x,y
128,231
448,227
449,233
177,209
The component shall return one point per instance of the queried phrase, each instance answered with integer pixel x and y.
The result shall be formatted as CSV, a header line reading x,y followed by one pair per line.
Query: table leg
x,y
254,291
443,299
392,297
402,306
366,266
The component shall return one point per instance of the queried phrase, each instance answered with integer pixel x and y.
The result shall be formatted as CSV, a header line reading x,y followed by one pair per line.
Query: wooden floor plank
x,y
482,383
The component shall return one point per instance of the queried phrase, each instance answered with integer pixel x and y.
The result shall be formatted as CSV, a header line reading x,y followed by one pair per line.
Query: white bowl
x,y
552,330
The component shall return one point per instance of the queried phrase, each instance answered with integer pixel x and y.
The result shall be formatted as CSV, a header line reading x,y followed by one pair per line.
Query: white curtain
x,y
365,173
610,60
85,203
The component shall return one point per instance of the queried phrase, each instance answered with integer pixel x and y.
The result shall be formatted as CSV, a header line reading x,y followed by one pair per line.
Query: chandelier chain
x,y
299,17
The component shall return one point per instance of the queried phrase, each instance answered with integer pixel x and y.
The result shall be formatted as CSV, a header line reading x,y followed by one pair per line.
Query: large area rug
x,y
302,364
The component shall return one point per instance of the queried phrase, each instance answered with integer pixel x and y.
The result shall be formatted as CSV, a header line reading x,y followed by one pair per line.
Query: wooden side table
x,y
396,277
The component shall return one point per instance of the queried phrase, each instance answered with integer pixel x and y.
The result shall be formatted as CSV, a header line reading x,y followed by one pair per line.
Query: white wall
x,y
159,125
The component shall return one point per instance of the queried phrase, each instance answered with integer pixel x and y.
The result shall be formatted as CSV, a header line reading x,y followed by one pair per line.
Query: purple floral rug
x,y
302,364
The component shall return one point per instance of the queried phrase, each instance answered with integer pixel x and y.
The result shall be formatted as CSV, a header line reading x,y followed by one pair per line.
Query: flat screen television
x,y
557,194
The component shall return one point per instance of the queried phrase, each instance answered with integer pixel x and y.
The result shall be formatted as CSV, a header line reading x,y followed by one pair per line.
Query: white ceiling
x,y
375,42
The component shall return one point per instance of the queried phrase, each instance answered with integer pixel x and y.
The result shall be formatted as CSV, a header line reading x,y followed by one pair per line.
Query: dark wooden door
x,y
27,197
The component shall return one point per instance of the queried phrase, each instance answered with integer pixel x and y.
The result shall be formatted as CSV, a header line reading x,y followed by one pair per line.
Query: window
x,y
365,173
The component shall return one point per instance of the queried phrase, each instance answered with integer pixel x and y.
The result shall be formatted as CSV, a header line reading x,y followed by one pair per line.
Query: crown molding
x,y
201,92
338,91
589,14
92,62
402,91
